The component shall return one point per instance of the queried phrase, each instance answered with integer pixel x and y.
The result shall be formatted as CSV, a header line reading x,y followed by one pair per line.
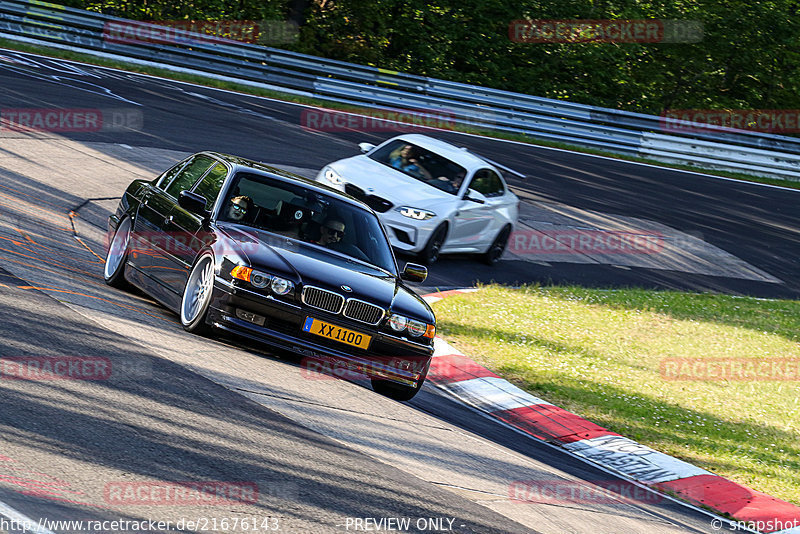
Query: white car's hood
x,y
391,184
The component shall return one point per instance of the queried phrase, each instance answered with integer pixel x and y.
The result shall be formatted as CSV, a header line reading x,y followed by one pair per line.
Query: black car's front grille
x,y
322,299
363,311
381,205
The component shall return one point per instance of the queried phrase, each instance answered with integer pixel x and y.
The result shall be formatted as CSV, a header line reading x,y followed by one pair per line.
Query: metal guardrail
x,y
600,128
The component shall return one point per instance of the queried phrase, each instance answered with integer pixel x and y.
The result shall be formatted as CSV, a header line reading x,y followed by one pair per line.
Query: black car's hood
x,y
307,264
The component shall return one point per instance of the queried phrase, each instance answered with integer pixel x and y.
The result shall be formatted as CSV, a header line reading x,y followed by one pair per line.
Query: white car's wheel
x,y
430,253
117,256
197,295
492,256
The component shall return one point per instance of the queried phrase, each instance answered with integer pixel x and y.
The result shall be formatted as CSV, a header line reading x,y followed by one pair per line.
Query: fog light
x,y
250,317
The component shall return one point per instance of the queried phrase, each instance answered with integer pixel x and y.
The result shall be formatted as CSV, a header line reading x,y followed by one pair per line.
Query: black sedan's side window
x,y
211,184
189,175
165,179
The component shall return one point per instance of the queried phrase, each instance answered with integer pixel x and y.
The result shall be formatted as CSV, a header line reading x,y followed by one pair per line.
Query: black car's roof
x,y
239,163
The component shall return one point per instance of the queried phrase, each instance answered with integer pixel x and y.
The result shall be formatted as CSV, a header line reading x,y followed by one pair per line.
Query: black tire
x,y
430,253
197,296
398,392
492,256
117,255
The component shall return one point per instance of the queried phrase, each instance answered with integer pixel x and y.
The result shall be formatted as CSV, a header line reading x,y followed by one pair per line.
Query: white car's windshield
x,y
422,164
293,211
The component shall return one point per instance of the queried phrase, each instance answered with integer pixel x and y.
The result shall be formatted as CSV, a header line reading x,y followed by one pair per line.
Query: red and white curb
x,y
483,389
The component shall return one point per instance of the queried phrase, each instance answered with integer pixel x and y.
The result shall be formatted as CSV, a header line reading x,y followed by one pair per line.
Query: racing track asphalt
x,y
759,224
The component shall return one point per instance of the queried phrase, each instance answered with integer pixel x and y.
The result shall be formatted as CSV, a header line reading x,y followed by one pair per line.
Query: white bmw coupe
x,y
432,197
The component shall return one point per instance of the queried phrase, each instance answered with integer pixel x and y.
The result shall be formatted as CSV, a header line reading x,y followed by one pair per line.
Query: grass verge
x,y
607,356
321,102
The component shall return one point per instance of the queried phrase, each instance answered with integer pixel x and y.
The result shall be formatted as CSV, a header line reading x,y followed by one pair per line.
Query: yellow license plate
x,y
336,333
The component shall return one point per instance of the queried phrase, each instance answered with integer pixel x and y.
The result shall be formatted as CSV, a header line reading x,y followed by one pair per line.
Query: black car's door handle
x,y
168,220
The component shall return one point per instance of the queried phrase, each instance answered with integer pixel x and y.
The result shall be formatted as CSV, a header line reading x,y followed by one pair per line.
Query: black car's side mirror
x,y
193,203
414,272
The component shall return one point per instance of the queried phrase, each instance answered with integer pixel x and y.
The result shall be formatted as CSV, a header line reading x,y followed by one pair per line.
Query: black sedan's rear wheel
x,y
492,256
117,256
197,295
430,253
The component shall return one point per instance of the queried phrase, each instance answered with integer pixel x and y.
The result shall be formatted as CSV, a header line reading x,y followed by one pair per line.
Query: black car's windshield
x,y
294,211
424,165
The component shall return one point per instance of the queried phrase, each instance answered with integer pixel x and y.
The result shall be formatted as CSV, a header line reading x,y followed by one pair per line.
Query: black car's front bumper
x,y
388,357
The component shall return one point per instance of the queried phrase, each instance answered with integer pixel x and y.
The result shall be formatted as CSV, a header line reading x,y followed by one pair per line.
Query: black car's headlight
x,y
399,323
262,280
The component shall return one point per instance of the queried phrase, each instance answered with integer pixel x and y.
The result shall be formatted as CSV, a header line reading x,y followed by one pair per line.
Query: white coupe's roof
x,y
451,152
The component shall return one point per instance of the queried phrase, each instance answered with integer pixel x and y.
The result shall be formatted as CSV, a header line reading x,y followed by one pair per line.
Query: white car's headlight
x,y
416,213
332,176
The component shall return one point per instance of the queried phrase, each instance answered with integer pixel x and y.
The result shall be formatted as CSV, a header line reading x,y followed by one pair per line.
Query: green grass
x,y
597,353
233,86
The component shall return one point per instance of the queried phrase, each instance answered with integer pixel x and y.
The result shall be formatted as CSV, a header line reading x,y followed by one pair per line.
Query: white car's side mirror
x,y
474,196
365,147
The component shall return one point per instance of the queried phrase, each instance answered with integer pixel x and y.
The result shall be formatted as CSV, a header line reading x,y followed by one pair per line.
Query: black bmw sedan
x,y
241,247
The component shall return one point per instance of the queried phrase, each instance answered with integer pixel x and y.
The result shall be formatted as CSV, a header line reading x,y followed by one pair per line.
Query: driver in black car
x,y
238,208
331,233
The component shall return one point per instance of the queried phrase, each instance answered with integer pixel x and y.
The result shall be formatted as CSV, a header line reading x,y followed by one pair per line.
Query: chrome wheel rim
x,y
118,248
198,290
